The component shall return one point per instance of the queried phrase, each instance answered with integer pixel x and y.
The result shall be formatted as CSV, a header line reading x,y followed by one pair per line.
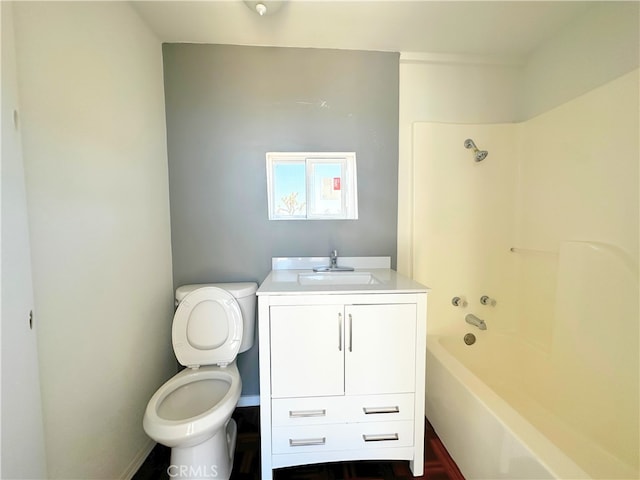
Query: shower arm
x,y
479,155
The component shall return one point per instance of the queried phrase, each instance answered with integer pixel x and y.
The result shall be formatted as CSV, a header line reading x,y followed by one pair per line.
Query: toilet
x,y
191,412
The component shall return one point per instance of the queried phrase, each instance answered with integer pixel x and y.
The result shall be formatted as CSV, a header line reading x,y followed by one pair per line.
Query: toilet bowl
x,y
191,412
191,405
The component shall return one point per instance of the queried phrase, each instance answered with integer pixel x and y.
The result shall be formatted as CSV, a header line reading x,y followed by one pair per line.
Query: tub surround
x,y
567,412
342,366
582,376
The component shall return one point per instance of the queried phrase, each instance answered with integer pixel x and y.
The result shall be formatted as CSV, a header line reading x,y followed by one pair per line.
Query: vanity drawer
x,y
346,436
379,408
339,409
308,438
307,411
380,434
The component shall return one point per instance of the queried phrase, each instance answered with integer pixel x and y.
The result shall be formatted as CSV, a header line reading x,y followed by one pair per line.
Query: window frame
x,y
348,187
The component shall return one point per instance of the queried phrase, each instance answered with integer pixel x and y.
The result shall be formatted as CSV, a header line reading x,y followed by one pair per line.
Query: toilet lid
x,y
207,328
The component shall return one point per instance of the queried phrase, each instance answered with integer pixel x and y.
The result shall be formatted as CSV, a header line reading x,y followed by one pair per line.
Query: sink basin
x,y
337,278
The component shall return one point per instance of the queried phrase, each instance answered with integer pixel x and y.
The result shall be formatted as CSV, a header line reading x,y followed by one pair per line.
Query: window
x,y
312,186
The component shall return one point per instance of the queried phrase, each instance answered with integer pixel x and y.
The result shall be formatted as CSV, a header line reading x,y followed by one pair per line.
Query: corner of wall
x,y
600,45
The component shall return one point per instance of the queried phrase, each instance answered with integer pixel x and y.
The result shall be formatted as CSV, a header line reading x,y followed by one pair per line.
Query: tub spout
x,y
473,320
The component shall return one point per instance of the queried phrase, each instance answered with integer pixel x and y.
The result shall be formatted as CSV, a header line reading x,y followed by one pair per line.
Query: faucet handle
x,y
486,300
458,302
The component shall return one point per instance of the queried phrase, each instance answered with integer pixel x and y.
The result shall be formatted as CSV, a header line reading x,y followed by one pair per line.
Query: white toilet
x,y
191,412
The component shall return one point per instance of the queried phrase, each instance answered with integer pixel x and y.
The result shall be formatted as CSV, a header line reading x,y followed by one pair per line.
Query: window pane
x,y
327,189
289,189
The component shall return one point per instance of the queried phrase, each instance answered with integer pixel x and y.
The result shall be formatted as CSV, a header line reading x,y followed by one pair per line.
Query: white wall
x,y
90,81
600,45
22,451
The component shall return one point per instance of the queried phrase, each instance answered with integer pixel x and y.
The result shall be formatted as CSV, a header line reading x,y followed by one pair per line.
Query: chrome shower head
x,y
479,155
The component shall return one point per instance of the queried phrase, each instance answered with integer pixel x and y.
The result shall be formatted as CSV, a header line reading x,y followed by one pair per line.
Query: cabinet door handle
x,y
380,437
307,413
305,442
339,332
377,410
350,333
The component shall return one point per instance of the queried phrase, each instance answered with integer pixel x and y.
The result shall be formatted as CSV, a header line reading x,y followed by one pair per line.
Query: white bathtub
x,y
501,411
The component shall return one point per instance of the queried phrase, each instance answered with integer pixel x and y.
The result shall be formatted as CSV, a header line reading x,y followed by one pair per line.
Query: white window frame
x,y
348,187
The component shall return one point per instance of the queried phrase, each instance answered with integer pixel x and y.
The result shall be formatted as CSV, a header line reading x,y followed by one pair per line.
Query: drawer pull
x,y
307,413
380,437
305,442
377,410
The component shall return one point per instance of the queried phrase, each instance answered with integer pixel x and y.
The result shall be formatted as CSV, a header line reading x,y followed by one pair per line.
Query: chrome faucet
x,y
333,265
333,257
473,320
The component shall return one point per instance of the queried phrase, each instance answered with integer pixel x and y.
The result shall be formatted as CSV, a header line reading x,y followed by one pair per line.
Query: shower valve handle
x,y
486,300
458,302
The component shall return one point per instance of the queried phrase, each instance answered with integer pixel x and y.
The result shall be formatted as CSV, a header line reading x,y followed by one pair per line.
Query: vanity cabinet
x,y
342,349
341,378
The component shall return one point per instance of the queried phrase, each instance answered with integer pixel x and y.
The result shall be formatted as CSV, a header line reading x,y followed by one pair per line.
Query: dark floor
x,y
438,464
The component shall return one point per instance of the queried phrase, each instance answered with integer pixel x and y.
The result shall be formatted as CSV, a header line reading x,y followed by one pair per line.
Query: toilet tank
x,y
245,295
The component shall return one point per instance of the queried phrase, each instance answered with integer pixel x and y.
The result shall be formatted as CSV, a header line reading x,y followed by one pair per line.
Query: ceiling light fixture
x,y
264,7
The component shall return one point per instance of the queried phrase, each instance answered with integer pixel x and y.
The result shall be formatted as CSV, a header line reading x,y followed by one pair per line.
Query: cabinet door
x,y
307,350
380,348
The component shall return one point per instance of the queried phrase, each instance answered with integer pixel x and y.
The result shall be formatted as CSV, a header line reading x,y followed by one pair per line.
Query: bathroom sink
x,y
337,278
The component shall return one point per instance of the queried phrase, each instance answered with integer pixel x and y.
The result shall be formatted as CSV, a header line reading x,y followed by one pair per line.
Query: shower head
x,y
479,155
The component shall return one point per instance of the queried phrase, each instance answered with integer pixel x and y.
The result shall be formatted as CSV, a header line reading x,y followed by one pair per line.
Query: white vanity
x,y
342,364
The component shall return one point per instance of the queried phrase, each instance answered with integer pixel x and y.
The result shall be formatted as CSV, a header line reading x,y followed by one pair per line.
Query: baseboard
x,y
139,459
249,401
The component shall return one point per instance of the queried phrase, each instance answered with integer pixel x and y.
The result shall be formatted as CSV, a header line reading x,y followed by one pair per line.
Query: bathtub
x,y
501,412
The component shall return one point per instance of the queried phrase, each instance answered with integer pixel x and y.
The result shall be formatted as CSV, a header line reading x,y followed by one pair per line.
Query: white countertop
x,y
286,281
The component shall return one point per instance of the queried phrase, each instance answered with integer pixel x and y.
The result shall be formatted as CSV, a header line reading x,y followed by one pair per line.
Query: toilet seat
x,y
207,328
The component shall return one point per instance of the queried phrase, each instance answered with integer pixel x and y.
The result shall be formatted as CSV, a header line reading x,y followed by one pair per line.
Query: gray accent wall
x,y
226,107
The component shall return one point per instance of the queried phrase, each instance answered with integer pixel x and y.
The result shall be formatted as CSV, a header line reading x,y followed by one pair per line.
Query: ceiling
x,y
499,28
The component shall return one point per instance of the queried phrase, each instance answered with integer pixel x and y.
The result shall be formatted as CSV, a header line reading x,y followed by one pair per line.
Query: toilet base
x,y
212,459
